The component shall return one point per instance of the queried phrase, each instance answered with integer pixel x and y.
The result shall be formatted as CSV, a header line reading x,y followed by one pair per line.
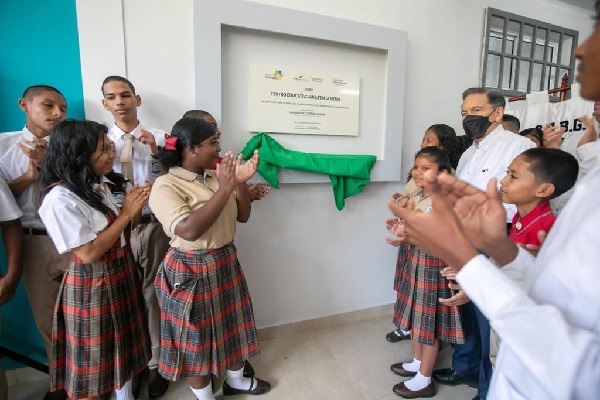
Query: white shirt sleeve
x,y
556,353
9,210
66,221
587,157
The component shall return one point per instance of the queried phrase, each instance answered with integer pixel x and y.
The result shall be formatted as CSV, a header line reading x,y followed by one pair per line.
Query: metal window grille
x,y
523,55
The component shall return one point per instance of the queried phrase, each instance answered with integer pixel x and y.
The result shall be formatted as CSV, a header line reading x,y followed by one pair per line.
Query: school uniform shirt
x,y
525,229
550,329
9,210
422,203
13,164
176,195
490,158
145,168
71,222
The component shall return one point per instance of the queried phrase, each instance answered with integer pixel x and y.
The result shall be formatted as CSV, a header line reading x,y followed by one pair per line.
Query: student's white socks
x,y
205,393
236,380
412,366
418,382
125,393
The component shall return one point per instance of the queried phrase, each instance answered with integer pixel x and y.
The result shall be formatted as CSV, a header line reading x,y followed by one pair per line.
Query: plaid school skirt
x,y
417,308
206,318
401,260
99,334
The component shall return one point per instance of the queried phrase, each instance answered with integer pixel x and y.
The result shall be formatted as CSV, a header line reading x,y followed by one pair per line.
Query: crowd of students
x,y
123,280
124,240
490,231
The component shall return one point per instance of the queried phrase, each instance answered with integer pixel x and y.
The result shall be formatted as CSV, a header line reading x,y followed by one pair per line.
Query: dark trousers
x,y
473,357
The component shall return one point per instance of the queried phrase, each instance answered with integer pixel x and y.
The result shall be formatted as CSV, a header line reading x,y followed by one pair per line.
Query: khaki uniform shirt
x,y
176,195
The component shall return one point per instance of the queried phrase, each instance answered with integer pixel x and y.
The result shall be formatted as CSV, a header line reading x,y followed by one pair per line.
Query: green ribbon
x,y
348,173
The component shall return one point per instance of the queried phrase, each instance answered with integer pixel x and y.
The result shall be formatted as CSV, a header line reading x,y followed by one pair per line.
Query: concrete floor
x,y
345,362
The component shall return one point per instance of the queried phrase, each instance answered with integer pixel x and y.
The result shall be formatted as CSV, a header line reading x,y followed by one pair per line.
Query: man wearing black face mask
x,y
489,156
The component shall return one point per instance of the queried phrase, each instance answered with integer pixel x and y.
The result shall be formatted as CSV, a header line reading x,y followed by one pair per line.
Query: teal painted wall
x,y
39,45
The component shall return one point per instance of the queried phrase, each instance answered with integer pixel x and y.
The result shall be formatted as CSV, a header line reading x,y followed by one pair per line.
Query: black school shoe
x,y
262,387
248,370
157,385
394,337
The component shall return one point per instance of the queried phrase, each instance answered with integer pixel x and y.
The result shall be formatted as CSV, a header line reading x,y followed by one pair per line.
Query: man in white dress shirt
x,y
489,156
550,328
21,156
12,235
136,147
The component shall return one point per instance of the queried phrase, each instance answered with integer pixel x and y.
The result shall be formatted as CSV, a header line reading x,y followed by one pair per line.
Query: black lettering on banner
x,y
577,125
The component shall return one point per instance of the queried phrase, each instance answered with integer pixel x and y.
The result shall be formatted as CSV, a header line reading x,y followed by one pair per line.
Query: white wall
x,y
303,259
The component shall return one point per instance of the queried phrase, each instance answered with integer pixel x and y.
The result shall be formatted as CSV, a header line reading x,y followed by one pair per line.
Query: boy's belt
x,y
35,231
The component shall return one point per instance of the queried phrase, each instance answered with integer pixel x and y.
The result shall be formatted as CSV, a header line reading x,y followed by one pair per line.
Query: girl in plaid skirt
x,y
420,285
444,137
98,339
207,322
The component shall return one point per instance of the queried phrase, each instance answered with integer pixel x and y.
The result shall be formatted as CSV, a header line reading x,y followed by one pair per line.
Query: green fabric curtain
x,y
348,173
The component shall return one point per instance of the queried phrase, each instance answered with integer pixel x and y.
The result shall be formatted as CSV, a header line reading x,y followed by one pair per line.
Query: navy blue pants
x,y
473,357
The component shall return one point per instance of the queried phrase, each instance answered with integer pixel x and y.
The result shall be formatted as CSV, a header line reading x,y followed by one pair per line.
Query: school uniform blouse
x,y
176,195
71,222
490,158
422,203
9,210
13,164
550,329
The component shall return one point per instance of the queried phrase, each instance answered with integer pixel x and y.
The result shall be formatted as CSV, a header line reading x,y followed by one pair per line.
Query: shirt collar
x,y
27,135
540,209
118,132
190,176
489,139
183,173
103,181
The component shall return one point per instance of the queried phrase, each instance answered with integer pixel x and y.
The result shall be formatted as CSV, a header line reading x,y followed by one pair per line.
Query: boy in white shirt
x,y
136,147
21,156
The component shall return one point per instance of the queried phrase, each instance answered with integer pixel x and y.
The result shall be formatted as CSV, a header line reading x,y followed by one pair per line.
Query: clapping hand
x,y
226,175
135,200
440,232
35,150
258,190
590,135
553,136
395,226
245,171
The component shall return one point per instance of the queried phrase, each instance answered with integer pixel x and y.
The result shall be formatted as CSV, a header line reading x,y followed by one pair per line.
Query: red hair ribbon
x,y
170,142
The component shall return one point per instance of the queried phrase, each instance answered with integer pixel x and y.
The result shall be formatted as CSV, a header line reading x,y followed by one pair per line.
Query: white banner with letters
x,y
302,101
563,113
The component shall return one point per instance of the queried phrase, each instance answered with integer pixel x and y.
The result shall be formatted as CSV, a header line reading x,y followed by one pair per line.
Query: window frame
x,y
519,38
